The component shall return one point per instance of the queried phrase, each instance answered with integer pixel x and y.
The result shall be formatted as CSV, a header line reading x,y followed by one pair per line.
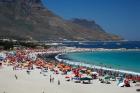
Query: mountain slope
x,y
28,19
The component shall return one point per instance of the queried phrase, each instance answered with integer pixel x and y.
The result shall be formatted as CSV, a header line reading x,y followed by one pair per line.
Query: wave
x,y
93,66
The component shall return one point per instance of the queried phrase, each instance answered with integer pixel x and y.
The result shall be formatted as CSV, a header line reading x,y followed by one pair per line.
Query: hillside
x,y
29,19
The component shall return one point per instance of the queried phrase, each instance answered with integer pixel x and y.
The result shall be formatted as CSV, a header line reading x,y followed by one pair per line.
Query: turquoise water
x,y
126,60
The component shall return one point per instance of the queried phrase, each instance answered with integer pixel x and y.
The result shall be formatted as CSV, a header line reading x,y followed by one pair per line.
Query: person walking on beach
x,y
13,68
28,72
16,76
50,79
58,82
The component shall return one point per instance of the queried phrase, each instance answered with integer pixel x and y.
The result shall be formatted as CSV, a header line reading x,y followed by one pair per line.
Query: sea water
x,y
105,44
124,60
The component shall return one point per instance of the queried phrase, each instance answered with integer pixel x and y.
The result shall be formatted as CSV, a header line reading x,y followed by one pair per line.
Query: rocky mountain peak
x,y
20,7
24,19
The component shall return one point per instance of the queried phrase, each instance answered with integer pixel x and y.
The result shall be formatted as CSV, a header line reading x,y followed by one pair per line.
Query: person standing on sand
x,y
28,72
50,79
16,76
13,68
58,82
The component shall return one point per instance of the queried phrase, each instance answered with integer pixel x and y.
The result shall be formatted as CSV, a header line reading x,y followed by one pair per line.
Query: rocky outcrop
x,y
29,19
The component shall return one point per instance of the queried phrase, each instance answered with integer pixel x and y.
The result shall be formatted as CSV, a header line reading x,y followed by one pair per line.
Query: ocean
x,y
105,44
122,60
125,60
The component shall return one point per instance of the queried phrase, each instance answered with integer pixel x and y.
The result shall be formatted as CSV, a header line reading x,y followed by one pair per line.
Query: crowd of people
x,y
29,59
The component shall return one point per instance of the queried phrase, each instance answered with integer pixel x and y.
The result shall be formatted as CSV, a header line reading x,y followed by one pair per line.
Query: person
x,y
16,76
13,67
50,79
58,82
53,79
28,72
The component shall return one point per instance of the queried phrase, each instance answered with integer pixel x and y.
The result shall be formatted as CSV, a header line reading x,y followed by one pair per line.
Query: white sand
x,y
37,83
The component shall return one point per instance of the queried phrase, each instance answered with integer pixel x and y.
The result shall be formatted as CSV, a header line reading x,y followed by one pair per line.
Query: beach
x,y
37,83
23,74
69,46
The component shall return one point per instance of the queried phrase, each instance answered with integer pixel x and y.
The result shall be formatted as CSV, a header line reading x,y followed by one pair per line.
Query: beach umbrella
x,y
94,73
82,68
86,78
12,53
121,75
106,77
83,75
67,76
1,58
67,68
113,78
70,76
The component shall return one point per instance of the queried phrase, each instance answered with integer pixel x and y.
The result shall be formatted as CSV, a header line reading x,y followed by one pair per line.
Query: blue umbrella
x,y
1,58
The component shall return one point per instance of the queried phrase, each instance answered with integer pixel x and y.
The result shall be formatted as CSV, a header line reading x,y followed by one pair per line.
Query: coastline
x,y
37,81
95,66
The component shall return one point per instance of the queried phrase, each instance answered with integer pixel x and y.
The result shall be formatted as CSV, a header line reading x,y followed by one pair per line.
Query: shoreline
x,y
95,66
34,77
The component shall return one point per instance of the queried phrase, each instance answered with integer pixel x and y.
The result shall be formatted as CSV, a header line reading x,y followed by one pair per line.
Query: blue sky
x,y
121,17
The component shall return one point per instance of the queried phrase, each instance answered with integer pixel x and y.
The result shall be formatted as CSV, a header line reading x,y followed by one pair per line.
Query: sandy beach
x,y
38,83
69,46
14,76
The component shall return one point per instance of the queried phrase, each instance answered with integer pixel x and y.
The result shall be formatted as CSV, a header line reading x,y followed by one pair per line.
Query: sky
x,y
120,17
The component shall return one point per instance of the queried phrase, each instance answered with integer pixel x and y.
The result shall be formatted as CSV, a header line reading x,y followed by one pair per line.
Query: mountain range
x,y
30,20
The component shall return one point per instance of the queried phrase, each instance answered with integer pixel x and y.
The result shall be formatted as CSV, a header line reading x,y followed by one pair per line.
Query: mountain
x,y
29,19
